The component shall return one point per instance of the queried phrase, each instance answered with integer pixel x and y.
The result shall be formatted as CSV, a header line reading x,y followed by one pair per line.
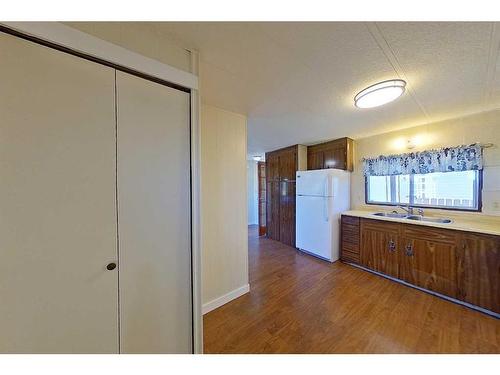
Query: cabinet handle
x,y
392,246
409,250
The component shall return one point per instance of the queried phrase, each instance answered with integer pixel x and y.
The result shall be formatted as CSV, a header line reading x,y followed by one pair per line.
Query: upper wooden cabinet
x,y
336,154
282,164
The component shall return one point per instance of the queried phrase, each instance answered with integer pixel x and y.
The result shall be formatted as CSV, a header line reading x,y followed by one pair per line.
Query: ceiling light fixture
x,y
380,93
257,158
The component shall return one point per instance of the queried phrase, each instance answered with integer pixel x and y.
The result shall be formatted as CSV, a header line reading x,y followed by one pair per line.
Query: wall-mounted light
x,y
380,93
409,143
257,158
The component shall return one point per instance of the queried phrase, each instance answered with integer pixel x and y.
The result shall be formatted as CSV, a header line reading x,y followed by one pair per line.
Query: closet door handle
x,y
111,266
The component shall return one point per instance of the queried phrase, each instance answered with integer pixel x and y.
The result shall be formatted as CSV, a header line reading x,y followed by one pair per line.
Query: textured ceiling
x,y
296,81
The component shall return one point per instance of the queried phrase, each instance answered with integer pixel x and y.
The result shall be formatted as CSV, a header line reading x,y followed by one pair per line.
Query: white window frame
x,y
477,197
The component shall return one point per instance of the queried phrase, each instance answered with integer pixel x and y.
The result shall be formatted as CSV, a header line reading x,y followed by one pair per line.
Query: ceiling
x,y
296,81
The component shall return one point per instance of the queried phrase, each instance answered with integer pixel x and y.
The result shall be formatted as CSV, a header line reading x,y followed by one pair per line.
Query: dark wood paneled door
x,y
479,271
272,168
287,213
272,196
261,176
287,166
379,247
273,210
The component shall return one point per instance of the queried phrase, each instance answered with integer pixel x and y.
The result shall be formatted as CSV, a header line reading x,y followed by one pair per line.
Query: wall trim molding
x,y
228,297
76,40
428,291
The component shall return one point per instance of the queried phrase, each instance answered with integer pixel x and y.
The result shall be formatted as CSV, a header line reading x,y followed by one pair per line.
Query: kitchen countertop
x,y
478,224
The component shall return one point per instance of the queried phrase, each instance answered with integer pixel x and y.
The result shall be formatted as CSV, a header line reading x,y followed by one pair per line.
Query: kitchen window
x,y
459,190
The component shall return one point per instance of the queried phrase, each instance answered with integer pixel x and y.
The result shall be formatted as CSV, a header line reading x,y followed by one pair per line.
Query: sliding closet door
x,y
154,217
57,202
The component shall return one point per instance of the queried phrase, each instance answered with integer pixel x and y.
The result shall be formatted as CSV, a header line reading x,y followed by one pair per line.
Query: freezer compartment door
x,y
314,225
314,183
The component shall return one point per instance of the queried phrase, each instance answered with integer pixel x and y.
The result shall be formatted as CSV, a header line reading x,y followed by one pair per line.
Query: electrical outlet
x,y
496,206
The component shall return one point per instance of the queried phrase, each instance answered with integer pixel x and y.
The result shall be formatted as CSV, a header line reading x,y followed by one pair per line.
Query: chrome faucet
x,y
410,210
407,208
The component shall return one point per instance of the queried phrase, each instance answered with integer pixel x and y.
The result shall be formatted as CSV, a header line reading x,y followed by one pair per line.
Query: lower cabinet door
x,y
379,247
429,264
479,271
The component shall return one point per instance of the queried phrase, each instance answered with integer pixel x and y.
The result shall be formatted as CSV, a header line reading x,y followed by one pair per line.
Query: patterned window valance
x,y
446,159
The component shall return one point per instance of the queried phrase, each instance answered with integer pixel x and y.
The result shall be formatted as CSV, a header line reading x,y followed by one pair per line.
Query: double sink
x,y
397,215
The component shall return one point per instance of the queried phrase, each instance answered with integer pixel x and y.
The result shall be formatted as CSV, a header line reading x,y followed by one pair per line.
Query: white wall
x,y
141,37
483,127
252,192
224,237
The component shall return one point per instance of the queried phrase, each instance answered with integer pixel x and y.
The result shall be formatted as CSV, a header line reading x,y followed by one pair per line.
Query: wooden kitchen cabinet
x,y
315,160
272,167
379,244
281,167
427,258
336,154
273,209
287,213
349,239
461,265
479,270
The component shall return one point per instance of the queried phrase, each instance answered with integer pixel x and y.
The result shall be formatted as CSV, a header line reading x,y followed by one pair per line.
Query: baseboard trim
x,y
222,300
463,303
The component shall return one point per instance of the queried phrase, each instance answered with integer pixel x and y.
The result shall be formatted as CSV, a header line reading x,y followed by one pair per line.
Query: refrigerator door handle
x,y
328,186
326,208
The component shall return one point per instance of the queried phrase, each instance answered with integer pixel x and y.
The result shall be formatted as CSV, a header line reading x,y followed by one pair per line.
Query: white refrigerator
x,y
322,195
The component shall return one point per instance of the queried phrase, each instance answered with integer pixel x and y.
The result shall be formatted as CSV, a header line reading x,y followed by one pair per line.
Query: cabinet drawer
x,y
350,220
347,256
350,233
429,233
349,246
380,226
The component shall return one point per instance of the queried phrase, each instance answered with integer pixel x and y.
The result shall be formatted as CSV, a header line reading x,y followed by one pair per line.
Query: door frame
x,y
66,39
262,198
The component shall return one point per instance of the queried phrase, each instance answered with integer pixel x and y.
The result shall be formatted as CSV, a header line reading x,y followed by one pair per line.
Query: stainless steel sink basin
x,y
391,214
441,220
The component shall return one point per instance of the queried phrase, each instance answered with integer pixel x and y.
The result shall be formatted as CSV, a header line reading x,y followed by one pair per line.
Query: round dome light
x,y
380,93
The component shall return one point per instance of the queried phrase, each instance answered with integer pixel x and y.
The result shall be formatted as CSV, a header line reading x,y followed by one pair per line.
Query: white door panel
x,y
57,202
154,217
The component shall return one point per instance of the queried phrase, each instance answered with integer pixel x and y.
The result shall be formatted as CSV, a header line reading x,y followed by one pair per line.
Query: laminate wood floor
x,y
299,304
